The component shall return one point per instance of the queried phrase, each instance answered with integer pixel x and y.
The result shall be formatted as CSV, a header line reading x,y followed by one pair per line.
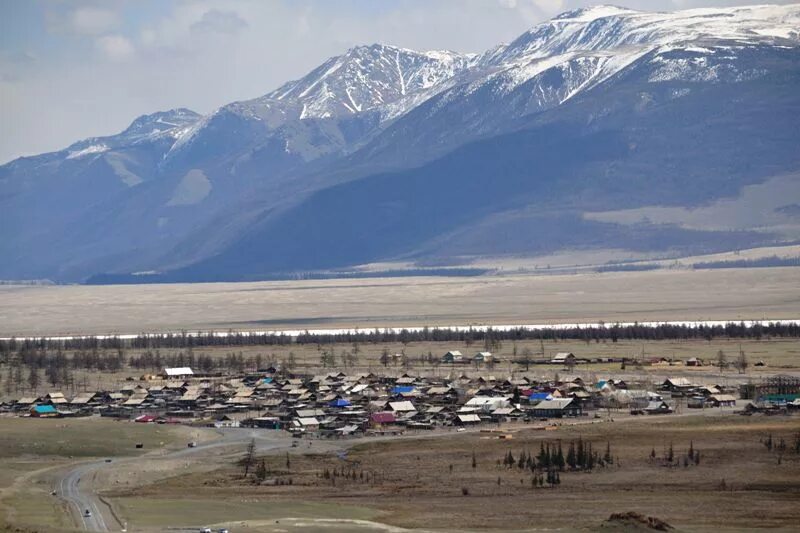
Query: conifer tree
x,y
559,458
571,458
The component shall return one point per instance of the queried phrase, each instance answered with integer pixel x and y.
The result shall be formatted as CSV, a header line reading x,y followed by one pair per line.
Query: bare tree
x,y
742,364
722,360
249,458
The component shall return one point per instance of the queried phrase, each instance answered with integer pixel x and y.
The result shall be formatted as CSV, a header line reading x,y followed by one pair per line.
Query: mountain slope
x,y
563,58
647,143
385,153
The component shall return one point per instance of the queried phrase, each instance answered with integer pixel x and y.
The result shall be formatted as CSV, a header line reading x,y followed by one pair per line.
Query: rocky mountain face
x,y
382,153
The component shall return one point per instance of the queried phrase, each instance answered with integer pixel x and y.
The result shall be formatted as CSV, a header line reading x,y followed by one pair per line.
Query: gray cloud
x,y
215,21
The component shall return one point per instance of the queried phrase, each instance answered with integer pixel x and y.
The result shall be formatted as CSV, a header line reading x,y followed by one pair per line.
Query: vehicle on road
x,y
87,513
461,429
205,530
222,530
108,460
139,445
193,444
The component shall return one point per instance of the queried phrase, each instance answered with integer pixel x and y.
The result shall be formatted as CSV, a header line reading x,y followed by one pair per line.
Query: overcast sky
x,y
75,69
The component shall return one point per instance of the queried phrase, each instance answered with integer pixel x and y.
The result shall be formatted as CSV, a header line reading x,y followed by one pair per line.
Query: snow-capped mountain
x,y
331,110
611,28
367,77
575,52
175,187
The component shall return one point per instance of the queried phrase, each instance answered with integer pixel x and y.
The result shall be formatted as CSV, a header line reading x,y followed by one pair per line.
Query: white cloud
x,y
115,47
93,21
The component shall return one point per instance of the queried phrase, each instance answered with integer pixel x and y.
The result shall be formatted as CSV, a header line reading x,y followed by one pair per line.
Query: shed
x,y
657,407
178,372
722,400
453,356
468,419
563,358
44,411
483,357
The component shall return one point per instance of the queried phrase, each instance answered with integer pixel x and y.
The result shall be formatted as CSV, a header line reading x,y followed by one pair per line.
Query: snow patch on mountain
x,y
89,150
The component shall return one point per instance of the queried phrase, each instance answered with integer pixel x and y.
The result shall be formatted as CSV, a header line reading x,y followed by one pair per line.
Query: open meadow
x,y
462,481
661,295
34,452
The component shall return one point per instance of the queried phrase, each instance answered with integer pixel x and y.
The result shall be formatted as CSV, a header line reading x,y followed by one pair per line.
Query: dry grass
x,y
417,489
80,437
732,294
31,451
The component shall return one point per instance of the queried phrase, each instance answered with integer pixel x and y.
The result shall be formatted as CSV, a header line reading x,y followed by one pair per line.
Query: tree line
x,y
489,336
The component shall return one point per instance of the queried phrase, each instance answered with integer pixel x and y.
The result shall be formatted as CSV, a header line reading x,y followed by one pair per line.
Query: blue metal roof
x,y
403,389
45,409
339,403
540,396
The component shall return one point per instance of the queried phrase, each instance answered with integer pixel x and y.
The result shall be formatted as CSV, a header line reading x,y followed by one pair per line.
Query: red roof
x,y
383,418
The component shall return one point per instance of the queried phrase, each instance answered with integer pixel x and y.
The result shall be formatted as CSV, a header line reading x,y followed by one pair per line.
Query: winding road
x,y
75,486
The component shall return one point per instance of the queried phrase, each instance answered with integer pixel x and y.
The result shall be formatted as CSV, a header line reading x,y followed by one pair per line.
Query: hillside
x,y
577,134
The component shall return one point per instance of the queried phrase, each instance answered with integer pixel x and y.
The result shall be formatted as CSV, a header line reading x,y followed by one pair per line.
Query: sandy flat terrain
x,y
731,294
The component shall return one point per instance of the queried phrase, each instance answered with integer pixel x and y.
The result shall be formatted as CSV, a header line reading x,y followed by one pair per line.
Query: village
x,y
338,404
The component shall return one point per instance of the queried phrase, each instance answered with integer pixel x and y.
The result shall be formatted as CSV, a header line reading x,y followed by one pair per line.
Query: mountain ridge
x,y
176,188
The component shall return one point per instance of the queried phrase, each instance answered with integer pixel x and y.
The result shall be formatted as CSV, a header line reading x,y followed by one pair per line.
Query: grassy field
x,y
32,450
732,294
79,438
737,485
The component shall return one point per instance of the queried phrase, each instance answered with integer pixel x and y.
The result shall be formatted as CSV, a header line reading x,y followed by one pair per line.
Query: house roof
x,y
723,397
541,396
402,406
383,418
45,409
179,371
555,403
469,418
26,401
678,382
